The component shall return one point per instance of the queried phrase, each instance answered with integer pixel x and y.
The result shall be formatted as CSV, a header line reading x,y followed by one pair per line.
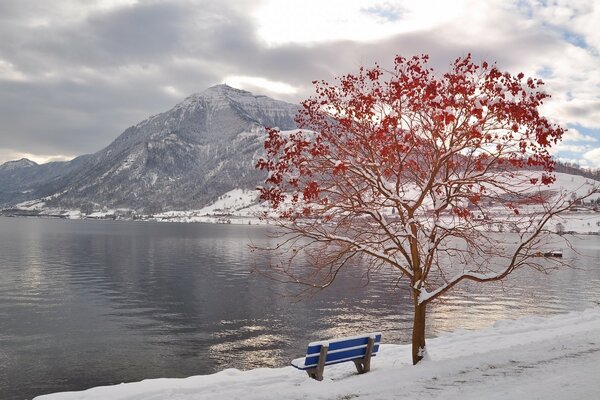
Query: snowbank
x,y
529,358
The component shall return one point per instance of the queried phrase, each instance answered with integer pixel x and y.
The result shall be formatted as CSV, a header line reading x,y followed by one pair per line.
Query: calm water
x,y
88,303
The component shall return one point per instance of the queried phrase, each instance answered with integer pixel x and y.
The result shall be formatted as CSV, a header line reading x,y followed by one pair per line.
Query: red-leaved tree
x,y
409,169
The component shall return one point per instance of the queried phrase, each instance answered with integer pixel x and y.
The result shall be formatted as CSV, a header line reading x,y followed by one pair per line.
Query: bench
x,y
359,349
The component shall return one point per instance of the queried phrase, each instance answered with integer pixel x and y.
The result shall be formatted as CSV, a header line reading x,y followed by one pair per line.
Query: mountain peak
x,y
225,88
21,163
263,110
218,94
223,92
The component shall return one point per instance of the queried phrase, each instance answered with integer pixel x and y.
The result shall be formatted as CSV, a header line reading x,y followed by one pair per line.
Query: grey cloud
x,y
92,94
77,117
146,32
589,113
92,78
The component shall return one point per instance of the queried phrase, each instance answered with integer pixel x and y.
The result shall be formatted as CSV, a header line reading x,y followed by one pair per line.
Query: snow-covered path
x,y
530,358
564,366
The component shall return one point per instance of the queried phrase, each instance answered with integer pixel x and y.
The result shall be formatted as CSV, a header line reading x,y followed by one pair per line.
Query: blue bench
x,y
359,349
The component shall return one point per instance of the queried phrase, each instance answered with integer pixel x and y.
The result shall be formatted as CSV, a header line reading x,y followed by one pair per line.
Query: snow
x,y
241,206
32,205
127,163
16,164
238,206
220,96
529,358
102,214
73,214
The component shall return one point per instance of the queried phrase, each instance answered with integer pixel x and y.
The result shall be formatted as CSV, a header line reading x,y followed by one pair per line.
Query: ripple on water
x,y
88,303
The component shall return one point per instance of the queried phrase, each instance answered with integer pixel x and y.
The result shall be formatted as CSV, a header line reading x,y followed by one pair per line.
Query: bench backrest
x,y
343,349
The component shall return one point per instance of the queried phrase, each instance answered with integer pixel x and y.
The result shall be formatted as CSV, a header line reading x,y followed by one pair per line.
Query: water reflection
x,y
87,303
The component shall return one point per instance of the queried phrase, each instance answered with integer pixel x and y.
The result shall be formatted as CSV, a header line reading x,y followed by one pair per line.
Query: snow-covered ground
x,y
238,206
241,206
530,358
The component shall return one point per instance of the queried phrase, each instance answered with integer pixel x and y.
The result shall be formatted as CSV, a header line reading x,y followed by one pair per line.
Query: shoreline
x,y
574,223
530,357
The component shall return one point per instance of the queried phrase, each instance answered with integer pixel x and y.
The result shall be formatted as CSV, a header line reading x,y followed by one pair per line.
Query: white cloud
x,y
313,21
558,38
9,155
573,135
243,82
9,72
578,17
173,91
593,158
571,148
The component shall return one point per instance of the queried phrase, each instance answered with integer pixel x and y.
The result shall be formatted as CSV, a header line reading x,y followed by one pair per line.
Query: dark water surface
x,y
88,303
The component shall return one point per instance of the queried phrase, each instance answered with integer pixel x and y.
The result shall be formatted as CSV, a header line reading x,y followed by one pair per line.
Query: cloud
x,y
592,158
8,154
573,135
578,19
387,12
73,74
8,72
249,82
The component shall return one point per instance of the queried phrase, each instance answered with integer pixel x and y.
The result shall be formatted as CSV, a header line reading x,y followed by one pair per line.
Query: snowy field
x,y
242,207
530,358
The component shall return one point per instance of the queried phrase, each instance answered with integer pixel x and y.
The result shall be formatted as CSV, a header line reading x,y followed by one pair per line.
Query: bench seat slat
x,y
315,347
341,357
364,346
371,334
298,363
335,357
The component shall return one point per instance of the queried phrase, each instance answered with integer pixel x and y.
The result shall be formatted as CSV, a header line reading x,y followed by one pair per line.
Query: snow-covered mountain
x,y
24,180
17,164
184,158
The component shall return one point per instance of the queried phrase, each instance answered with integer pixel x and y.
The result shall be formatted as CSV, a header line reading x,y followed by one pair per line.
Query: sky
x,y
74,74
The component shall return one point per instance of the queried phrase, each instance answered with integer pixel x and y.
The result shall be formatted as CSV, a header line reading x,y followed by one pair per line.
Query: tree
x,y
86,208
388,166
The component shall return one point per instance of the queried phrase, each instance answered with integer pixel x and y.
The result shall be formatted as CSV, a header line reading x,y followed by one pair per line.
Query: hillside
x,y
181,159
192,163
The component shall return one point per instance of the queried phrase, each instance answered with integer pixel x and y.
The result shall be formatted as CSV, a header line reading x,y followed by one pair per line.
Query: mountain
x,y
17,164
181,159
24,180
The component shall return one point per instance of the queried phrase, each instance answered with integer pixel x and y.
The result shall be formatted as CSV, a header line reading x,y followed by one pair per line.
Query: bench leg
x,y
317,372
359,366
364,364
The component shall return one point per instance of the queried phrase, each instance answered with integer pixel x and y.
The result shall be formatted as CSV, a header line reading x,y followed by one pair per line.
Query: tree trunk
x,y
418,334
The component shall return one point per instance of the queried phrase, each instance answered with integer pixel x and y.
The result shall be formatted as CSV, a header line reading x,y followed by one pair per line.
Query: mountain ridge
x,y
183,158
14,164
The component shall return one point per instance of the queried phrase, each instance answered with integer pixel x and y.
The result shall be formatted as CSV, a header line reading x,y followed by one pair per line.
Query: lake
x,y
88,303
